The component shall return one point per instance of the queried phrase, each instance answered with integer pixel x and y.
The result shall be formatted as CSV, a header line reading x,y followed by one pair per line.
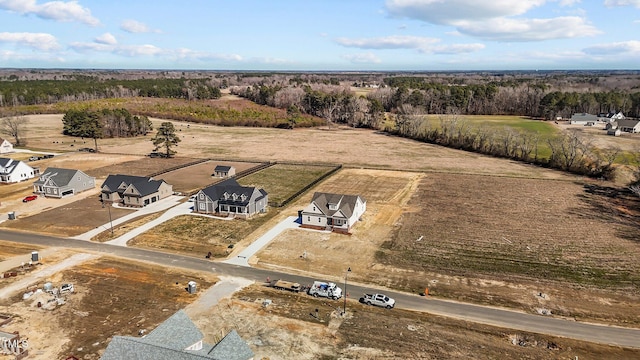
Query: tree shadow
x,y
617,206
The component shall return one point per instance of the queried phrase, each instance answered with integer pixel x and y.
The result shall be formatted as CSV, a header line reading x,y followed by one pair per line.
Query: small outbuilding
x,y
5,146
223,171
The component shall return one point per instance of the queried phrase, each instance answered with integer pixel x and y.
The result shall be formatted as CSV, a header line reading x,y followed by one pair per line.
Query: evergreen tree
x,y
166,138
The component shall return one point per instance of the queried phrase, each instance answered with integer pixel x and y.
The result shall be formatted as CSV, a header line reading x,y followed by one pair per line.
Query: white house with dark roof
x,y
5,146
223,171
583,119
177,338
231,199
335,212
13,171
58,182
136,191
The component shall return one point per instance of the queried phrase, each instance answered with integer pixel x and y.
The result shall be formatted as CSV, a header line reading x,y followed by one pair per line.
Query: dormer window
x,y
333,206
225,195
234,196
243,197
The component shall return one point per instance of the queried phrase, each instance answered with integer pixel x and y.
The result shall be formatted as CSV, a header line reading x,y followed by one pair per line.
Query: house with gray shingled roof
x,y
228,198
13,171
177,338
135,191
224,171
58,182
335,212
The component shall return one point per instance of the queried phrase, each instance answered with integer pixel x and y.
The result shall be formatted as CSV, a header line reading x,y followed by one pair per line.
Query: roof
x,y
231,347
627,123
144,184
60,176
583,116
222,168
169,341
231,186
7,165
177,332
345,203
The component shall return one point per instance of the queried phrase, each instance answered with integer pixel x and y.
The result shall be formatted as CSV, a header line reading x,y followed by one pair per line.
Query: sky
x,y
321,35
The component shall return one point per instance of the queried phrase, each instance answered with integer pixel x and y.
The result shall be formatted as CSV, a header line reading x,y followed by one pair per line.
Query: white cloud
x,y
447,12
16,57
53,10
138,50
505,29
388,42
631,47
499,20
366,58
40,41
422,44
133,26
106,39
612,3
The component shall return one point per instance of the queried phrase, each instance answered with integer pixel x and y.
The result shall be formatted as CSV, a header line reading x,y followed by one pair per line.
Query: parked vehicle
x,y
34,158
381,300
328,290
47,156
29,198
286,285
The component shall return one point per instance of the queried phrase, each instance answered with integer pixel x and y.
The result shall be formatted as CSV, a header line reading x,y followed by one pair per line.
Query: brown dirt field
x,y
286,330
63,220
111,297
193,178
10,249
198,235
497,241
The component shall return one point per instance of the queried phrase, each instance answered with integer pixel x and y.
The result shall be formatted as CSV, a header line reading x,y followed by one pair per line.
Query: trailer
x,y
286,285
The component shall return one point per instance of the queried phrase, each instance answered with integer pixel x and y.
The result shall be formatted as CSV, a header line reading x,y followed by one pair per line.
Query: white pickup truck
x,y
381,300
328,290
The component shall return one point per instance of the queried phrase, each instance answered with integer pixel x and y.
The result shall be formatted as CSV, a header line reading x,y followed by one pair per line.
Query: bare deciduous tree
x,y
15,127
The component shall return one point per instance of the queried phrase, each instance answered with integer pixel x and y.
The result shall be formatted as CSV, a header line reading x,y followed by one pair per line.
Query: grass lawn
x,y
281,181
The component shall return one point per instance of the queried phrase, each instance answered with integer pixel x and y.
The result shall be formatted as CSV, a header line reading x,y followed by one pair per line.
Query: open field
x,y
111,297
286,329
10,249
281,181
497,241
193,178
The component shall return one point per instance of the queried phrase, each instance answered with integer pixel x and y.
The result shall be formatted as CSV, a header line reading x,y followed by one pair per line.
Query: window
x,y
48,190
55,191
201,206
309,218
201,196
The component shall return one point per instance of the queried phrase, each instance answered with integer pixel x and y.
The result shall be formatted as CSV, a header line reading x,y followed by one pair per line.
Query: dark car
x,y
30,198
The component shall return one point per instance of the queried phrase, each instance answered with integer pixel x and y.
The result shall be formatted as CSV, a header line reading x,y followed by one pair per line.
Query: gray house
x,y
583,119
58,183
231,199
136,191
224,171
177,338
629,125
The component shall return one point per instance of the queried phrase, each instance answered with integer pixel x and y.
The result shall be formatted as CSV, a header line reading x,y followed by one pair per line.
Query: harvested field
x,y
112,297
286,329
141,166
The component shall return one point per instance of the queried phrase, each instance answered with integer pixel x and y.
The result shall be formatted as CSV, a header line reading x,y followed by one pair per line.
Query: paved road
x,y
624,337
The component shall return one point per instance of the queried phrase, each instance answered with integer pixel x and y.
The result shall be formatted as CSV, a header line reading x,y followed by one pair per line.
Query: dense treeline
x,y
569,150
105,123
32,92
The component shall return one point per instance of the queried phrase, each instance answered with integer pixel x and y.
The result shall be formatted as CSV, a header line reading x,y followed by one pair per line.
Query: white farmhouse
x,y
13,171
5,146
335,212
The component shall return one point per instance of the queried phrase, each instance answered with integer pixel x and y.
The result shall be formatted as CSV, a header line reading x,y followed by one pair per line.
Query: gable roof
x,y
7,165
177,332
628,123
60,177
231,347
169,341
346,203
144,184
231,186
222,168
